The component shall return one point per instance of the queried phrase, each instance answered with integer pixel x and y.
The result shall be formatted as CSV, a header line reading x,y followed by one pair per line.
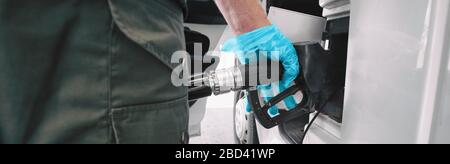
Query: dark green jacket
x,y
90,71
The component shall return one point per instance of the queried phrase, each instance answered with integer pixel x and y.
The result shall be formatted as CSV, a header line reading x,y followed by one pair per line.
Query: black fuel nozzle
x,y
247,77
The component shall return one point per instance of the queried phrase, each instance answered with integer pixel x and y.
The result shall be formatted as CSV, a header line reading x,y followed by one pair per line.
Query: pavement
x,y
217,127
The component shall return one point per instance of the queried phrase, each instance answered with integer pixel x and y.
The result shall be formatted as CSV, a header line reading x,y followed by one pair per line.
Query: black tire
x,y
250,135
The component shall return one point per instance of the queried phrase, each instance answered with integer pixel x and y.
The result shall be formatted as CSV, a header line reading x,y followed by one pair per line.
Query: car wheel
x,y
245,131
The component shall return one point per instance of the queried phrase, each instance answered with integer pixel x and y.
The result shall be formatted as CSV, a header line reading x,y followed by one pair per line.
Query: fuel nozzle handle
x,y
234,79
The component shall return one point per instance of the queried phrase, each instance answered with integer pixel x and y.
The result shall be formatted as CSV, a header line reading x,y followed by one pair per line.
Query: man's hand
x,y
243,15
256,34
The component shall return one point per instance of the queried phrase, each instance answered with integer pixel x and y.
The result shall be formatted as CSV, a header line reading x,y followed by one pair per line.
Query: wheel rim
x,y
241,121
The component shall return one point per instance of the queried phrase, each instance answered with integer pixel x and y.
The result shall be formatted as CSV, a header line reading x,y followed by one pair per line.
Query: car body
x,y
397,78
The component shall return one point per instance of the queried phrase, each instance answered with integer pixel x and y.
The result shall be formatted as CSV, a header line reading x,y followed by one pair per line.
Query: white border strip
x,y
440,14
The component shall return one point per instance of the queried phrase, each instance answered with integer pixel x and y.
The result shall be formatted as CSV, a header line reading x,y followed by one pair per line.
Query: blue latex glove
x,y
268,39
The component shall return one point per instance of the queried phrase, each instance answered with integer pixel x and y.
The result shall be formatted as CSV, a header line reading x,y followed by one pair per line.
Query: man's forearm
x,y
243,15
